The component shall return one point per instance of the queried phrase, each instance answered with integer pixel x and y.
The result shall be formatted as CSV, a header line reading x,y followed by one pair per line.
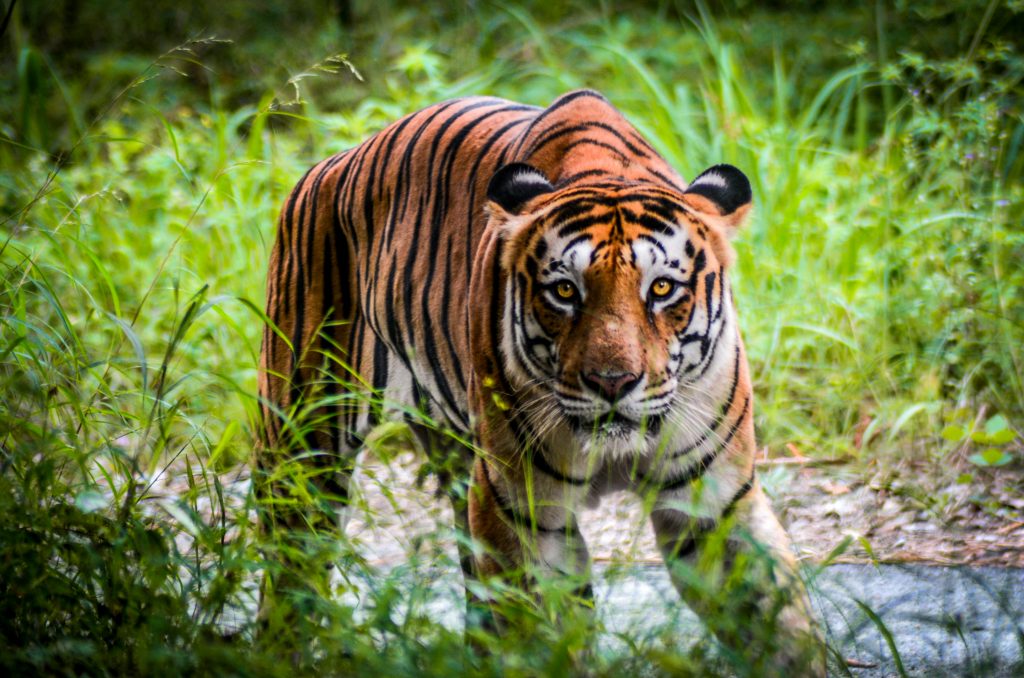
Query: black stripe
x,y
572,243
398,189
653,223
664,178
367,152
343,262
295,274
408,341
744,490
655,242
404,176
642,142
310,253
708,353
594,142
581,223
586,174
380,366
441,193
497,300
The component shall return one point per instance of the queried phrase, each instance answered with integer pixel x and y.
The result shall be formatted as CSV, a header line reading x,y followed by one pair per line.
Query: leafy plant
x,y
993,436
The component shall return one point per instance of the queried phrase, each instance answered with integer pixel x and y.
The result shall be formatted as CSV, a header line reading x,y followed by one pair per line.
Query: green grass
x,y
879,285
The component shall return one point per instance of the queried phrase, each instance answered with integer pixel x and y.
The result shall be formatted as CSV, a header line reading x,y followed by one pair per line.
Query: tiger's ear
x,y
513,186
722,195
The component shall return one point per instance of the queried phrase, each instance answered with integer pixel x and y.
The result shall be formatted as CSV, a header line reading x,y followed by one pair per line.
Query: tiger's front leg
x,y
738,574
525,536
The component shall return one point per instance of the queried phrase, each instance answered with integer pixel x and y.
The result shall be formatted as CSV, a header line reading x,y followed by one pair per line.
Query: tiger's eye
x,y
662,287
565,290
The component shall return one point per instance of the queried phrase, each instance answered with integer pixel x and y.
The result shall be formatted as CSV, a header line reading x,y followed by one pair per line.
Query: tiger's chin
x,y
616,436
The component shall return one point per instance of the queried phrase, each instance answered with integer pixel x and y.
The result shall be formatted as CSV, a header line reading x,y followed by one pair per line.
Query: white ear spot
x,y
527,178
709,179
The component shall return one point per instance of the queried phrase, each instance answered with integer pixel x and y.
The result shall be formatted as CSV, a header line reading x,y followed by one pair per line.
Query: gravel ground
x,y
819,506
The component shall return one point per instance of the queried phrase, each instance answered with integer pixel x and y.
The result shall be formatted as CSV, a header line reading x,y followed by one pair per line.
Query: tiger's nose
x,y
610,385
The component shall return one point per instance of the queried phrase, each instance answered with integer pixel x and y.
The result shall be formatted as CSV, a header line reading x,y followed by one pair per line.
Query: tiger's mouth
x,y
615,425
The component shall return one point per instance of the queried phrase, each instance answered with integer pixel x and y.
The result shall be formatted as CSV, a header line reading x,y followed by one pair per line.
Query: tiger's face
x,y
615,298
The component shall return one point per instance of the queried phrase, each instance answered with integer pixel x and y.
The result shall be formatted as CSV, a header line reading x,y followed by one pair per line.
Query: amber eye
x,y
565,290
662,287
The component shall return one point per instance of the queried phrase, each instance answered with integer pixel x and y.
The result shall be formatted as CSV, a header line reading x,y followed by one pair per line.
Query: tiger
x,y
538,281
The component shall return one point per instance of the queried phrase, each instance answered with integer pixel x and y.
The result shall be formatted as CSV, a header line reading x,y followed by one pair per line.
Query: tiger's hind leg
x,y
313,412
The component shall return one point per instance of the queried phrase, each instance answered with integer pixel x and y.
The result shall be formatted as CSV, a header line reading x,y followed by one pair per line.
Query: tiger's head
x,y
615,295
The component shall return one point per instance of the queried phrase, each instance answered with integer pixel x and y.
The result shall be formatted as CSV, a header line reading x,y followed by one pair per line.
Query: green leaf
x,y
225,438
839,550
996,424
964,478
867,549
954,433
992,456
1002,437
996,457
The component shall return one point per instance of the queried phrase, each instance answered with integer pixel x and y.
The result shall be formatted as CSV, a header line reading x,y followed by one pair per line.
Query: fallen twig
x,y
795,451
799,461
1007,529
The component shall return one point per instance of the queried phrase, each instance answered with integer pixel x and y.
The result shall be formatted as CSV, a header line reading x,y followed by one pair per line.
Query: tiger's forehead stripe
x,y
580,221
617,219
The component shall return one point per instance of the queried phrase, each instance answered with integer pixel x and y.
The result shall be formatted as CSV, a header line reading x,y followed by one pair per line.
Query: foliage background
x,y
146,149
